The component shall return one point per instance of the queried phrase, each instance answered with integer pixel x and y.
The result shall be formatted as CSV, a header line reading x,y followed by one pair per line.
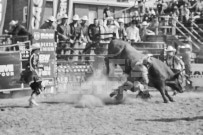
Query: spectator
x,y
84,33
93,31
185,13
144,31
112,26
173,61
159,7
121,30
133,32
106,12
49,23
16,29
75,34
63,34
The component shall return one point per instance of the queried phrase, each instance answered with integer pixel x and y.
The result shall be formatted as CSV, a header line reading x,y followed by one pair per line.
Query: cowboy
x,y
133,32
63,34
173,61
75,34
16,29
49,23
144,31
112,26
121,30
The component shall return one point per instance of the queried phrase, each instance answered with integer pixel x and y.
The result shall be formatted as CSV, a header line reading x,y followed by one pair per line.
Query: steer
x,y
159,74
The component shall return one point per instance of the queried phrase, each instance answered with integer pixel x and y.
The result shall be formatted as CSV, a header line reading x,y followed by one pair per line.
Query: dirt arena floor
x,y
65,114
93,112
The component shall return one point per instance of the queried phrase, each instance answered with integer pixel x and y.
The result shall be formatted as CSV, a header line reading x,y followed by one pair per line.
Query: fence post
x,y
157,26
173,25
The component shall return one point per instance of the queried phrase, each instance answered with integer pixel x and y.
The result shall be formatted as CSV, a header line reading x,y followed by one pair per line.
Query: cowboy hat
x,y
51,18
188,46
35,46
85,18
110,18
12,23
145,23
170,49
64,16
76,17
121,20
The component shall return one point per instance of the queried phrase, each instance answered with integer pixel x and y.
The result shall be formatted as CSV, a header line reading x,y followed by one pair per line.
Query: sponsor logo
x,y
6,70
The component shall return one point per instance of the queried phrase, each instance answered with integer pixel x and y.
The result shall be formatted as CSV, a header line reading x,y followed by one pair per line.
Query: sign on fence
x,y
197,75
10,68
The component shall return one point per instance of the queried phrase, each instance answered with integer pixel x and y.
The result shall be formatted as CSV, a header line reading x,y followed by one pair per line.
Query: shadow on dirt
x,y
173,119
12,107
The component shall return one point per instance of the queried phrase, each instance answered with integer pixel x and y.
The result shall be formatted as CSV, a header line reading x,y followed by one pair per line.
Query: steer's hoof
x,y
119,97
166,101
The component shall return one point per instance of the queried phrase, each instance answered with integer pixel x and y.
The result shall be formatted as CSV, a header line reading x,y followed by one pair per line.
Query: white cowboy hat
x,y
85,18
110,18
64,16
188,46
145,23
170,49
12,23
35,46
121,20
76,17
51,18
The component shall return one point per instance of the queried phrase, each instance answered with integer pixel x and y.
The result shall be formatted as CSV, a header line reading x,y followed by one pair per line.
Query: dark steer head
x,y
176,82
37,86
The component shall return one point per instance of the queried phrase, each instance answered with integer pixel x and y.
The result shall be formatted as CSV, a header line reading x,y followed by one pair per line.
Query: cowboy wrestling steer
x,y
153,72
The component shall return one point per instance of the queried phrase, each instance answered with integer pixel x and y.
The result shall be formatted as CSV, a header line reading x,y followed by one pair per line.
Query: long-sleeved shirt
x,y
133,33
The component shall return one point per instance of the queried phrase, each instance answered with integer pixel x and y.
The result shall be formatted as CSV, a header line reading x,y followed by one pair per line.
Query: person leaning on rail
x,y
63,35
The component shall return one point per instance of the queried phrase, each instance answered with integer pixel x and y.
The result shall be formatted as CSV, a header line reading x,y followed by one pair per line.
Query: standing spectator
x,y
84,34
144,31
17,30
112,26
133,32
159,7
93,31
75,35
121,30
106,12
49,23
63,35
141,8
185,13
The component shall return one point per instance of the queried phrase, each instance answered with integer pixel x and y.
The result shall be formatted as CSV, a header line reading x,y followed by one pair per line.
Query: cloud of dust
x,y
95,92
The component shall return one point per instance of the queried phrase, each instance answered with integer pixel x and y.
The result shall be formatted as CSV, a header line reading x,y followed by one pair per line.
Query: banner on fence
x,y
197,75
10,68
35,13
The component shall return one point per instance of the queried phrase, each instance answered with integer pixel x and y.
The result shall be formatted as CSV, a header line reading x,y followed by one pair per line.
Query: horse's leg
x,y
169,97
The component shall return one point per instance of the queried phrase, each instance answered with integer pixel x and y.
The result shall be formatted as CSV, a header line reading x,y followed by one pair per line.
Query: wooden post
x,y
157,26
173,25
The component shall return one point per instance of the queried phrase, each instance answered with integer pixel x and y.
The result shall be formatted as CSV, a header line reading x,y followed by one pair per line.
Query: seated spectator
x,y
133,32
185,13
49,23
